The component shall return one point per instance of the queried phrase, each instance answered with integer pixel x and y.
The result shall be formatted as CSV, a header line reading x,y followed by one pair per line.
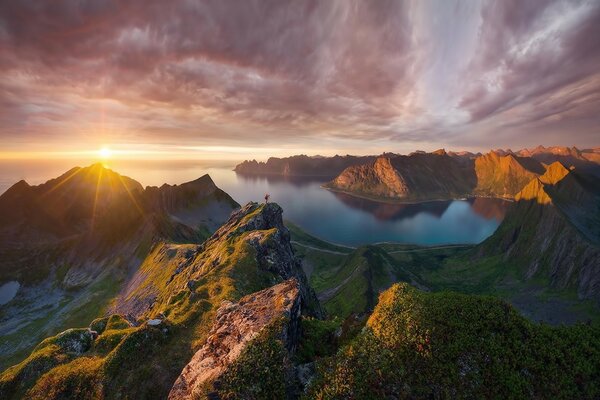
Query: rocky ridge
x,y
301,165
236,324
548,238
220,297
416,177
74,241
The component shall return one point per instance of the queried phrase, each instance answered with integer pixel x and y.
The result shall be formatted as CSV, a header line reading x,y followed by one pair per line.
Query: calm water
x,y
8,291
331,216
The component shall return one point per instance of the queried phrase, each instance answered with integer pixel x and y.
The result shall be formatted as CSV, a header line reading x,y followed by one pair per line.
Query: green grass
x,y
144,361
451,345
298,235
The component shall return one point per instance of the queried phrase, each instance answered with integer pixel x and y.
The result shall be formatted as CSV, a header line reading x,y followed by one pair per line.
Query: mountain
x,y
416,177
419,345
354,286
196,322
504,175
552,231
422,176
438,175
198,203
71,242
301,165
92,199
587,160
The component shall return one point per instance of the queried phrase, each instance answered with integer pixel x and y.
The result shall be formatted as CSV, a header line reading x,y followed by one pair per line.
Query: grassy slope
x,y
457,268
450,345
143,362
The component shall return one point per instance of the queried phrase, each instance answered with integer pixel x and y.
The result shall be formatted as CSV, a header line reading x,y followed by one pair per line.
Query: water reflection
x,y
391,211
487,208
8,291
298,181
345,219
336,217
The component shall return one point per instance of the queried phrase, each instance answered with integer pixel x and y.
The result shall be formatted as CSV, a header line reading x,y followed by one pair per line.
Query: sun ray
x,y
96,198
59,184
131,196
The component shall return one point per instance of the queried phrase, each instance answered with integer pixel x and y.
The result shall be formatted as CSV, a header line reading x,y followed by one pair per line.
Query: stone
x,y
236,324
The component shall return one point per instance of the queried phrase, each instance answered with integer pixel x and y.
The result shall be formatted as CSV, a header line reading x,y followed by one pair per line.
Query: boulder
x,y
235,326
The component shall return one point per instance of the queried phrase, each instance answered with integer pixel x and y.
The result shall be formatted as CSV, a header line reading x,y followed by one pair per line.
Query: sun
x,y
105,152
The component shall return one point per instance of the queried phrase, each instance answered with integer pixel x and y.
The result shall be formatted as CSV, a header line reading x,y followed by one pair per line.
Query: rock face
x,y
301,165
416,177
194,203
504,175
271,241
236,324
551,231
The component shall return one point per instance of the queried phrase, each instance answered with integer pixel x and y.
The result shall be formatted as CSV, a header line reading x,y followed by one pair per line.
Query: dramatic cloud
x,y
304,75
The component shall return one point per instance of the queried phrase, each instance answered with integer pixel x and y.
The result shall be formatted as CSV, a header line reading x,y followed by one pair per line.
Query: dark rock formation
x,y
301,165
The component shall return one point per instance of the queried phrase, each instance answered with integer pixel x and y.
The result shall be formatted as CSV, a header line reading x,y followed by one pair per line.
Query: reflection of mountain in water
x,y
488,208
298,181
390,211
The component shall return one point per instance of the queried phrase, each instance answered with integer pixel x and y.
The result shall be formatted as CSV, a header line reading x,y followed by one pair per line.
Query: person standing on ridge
x,y
267,197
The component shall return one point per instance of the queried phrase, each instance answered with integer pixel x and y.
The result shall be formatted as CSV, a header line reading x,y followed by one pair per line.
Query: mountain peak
x,y
534,190
554,173
18,187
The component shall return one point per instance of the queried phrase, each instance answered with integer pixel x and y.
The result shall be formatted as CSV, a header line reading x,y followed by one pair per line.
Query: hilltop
x,y
71,243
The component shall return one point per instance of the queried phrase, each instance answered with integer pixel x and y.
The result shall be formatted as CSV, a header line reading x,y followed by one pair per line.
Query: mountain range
x,y
422,176
71,241
179,292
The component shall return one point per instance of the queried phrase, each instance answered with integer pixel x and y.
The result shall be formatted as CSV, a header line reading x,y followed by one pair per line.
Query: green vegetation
x,y
318,339
298,235
80,379
450,345
260,372
144,361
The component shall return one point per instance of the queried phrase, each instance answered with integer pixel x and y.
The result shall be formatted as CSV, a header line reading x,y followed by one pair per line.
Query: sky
x,y
250,79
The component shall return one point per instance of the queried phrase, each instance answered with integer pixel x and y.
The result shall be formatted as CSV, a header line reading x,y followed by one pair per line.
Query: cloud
x,y
268,72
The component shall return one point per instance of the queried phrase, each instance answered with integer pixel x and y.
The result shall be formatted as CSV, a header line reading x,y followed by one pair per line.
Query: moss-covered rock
x,y
79,379
449,345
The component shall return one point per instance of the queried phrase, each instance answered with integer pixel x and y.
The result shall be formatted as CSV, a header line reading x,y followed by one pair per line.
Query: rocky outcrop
x,y
504,175
416,177
236,324
271,241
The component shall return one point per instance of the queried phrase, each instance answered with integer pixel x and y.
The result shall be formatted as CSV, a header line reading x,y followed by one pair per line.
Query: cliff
x,y
189,314
504,175
417,177
551,232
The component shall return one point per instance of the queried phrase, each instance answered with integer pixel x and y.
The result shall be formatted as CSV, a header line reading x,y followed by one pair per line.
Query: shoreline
x,y
387,200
